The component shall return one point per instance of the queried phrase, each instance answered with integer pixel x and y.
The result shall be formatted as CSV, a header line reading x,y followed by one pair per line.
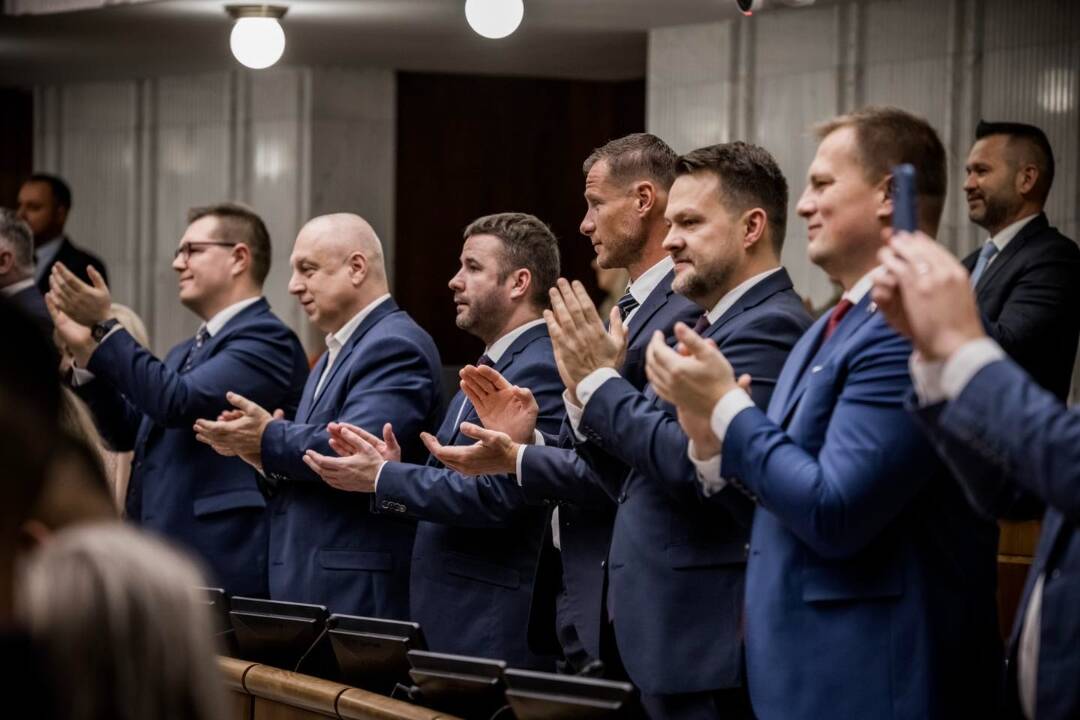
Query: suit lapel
x,y
307,400
820,352
656,300
1033,227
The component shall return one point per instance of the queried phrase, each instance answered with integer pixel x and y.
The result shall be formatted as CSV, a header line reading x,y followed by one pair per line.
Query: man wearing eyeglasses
x,y
180,487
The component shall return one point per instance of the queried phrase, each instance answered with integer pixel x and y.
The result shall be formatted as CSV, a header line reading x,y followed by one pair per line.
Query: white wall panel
x,y
290,142
795,86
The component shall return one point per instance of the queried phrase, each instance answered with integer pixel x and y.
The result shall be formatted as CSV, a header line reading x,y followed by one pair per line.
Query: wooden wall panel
x,y
469,146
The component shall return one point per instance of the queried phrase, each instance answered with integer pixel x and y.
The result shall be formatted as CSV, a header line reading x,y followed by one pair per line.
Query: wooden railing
x,y
261,692
1016,549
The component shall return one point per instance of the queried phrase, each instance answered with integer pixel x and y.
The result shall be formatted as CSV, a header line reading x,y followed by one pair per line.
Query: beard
x,y
482,317
622,250
995,211
703,280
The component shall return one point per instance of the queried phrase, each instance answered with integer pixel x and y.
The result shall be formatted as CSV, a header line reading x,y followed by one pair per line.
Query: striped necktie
x,y
627,304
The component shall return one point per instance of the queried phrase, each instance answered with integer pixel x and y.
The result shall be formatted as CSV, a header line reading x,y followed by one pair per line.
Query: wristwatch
x,y
101,329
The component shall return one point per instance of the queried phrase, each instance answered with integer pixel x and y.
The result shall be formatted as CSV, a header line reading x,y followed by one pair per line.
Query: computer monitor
x,y
546,696
371,653
218,602
281,634
467,686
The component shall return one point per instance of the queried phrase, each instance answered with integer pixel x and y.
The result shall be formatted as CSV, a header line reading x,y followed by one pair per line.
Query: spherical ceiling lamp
x,y
494,18
257,39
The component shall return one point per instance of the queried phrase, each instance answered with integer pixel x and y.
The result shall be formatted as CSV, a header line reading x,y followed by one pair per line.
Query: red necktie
x,y
837,315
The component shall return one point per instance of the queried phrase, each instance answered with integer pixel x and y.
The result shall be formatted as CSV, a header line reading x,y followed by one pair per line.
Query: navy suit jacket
x,y
586,512
676,564
326,546
1015,447
870,583
475,558
1030,299
75,259
179,486
32,302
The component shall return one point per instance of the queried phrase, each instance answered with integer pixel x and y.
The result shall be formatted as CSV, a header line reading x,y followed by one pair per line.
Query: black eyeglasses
x,y
184,250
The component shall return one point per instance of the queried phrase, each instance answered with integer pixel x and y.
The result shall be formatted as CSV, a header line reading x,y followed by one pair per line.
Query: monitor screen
x,y
371,653
546,696
280,634
466,686
218,602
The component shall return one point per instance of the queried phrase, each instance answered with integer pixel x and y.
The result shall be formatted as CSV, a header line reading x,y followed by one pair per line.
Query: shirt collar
x,y
641,288
1010,231
496,349
213,325
18,287
46,252
336,340
732,296
859,289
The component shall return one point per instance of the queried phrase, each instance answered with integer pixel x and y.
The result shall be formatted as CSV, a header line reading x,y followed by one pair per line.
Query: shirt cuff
x,y
517,463
592,382
725,410
966,362
926,377
708,472
573,414
538,439
375,485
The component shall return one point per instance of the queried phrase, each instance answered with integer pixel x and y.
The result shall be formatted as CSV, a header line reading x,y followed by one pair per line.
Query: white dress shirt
x,y
1006,234
736,400
44,254
337,340
17,287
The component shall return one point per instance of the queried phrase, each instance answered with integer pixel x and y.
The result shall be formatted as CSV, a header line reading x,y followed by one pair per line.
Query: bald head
x,y
338,269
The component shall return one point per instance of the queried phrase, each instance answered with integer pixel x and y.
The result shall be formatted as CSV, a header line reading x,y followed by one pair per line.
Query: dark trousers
x,y
714,705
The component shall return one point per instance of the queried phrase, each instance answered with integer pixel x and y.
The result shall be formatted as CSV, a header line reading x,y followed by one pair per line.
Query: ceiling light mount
x,y
257,39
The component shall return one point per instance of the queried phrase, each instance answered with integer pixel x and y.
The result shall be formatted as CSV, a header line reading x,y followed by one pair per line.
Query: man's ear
x,y
1026,177
885,205
61,214
358,268
521,282
754,223
33,534
241,255
7,261
644,196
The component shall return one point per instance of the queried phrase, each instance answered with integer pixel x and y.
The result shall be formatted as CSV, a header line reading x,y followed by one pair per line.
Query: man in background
x,y
44,205
1025,275
17,270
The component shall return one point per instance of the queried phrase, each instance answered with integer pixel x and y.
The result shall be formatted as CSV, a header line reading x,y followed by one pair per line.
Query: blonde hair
x,y
131,322
121,626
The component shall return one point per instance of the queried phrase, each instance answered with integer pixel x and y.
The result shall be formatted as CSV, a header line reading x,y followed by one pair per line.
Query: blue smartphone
x,y
905,217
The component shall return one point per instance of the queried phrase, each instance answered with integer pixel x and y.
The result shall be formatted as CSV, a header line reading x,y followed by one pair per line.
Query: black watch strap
x,y
101,329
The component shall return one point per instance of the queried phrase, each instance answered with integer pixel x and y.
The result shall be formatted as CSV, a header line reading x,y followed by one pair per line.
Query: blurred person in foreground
x,y
1016,450
118,617
17,269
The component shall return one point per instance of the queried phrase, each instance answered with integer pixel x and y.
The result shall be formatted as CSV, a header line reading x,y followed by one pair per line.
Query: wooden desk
x,y
261,692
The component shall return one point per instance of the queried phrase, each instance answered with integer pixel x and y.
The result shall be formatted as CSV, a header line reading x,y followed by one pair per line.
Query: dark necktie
x,y
200,340
627,304
702,323
484,360
836,316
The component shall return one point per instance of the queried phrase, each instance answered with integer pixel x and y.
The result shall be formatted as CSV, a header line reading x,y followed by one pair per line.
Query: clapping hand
x,y
578,337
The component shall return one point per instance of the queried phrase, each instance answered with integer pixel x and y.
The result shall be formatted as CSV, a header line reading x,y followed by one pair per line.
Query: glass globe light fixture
x,y
494,18
257,39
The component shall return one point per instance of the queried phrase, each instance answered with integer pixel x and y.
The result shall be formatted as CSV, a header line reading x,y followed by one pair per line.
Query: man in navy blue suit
x,y
17,270
179,487
1015,449
675,568
626,190
326,546
870,582
473,562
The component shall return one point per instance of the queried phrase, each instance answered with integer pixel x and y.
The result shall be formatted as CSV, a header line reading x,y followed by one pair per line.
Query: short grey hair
x,y
105,603
17,235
